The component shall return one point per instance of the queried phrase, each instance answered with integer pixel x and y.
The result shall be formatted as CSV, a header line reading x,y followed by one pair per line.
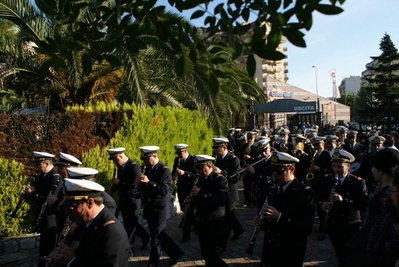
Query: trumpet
x,y
260,215
334,186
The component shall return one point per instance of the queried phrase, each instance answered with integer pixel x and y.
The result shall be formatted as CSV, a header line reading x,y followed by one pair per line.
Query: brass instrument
x,y
334,186
260,215
309,176
299,147
21,199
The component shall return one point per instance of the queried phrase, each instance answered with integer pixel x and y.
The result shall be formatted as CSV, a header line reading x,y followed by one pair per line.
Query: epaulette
x,y
219,175
165,167
234,156
307,187
359,178
133,163
326,175
108,223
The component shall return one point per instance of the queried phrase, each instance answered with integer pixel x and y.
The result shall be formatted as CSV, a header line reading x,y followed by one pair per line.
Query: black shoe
x,y
184,240
173,261
219,250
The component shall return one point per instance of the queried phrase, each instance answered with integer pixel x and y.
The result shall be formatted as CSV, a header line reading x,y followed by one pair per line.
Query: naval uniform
x,y
130,199
286,239
184,184
156,201
230,165
104,242
344,219
209,216
45,184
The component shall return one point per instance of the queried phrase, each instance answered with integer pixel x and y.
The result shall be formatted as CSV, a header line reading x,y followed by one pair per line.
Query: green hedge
x,y
160,126
12,184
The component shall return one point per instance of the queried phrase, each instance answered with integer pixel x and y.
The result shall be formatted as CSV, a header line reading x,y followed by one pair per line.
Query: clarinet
x,y
21,199
45,204
258,227
334,186
186,208
114,187
136,189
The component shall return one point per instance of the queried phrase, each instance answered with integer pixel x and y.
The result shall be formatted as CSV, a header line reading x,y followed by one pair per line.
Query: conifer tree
x,y
383,84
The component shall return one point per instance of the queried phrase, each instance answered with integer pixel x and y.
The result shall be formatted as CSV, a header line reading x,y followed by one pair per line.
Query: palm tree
x,y
151,71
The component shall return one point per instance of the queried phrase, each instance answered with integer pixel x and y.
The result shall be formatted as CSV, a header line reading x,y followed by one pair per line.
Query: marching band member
x,y
288,216
343,204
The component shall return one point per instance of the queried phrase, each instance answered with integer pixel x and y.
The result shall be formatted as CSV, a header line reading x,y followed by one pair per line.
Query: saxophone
x,y
310,176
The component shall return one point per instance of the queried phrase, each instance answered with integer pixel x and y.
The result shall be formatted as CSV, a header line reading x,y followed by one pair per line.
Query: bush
x,y
87,136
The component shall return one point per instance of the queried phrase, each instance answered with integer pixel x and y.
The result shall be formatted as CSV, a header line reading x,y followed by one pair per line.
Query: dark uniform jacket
x,y
261,176
155,194
129,177
103,243
355,150
354,192
184,182
211,199
285,241
45,184
230,165
365,172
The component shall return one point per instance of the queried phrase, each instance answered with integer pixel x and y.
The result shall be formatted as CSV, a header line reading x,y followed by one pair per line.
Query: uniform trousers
x,y
232,224
339,235
160,240
130,214
208,234
48,241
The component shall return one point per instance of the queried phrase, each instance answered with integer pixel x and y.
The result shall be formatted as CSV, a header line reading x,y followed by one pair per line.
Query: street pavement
x,y
319,252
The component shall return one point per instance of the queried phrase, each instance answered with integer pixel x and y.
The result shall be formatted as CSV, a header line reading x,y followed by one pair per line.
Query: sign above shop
x,y
278,94
286,106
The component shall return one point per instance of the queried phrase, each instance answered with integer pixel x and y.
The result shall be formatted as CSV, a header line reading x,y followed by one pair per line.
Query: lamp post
x,y
315,71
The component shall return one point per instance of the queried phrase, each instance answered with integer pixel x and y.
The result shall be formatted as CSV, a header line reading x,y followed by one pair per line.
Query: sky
x,y
343,42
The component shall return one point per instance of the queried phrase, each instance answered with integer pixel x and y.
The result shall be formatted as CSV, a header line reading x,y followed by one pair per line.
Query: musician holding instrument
x,y
104,241
209,197
260,172
125,183
320,166
228,165
185,175
48,183
154,185
348,200
287,215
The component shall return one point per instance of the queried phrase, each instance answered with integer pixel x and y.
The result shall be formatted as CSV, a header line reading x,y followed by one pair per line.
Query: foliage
x,y
12,184
87,136
382,84
96,29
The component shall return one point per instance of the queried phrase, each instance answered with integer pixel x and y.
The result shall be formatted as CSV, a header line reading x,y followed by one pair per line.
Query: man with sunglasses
x,y
104,241
184,176
287,214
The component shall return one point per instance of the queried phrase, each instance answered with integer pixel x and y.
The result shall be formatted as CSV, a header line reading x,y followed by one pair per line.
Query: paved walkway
x,y
319,253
